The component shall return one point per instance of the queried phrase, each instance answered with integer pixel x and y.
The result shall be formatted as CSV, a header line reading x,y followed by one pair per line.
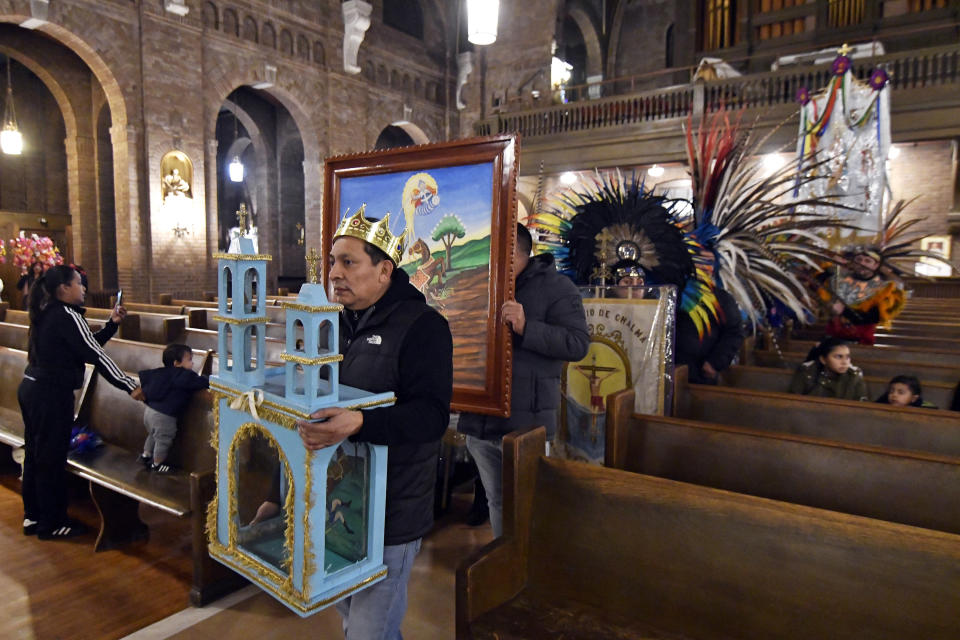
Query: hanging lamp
x,y
482,21
11,140
235,169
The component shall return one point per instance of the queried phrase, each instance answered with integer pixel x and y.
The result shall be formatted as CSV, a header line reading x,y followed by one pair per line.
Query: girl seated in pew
x,y
905,391
828,373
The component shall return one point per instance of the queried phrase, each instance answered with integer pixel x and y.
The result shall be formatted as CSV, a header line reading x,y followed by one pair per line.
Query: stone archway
x,y
307,126
131,235
271,146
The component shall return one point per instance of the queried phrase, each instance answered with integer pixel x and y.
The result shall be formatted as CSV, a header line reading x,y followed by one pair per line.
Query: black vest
x,y
371,361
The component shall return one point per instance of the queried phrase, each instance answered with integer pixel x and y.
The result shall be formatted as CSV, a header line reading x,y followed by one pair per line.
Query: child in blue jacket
x,y
167,390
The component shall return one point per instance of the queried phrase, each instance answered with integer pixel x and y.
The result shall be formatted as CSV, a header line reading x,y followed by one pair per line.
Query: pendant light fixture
x,y
236,167
11,140
482,21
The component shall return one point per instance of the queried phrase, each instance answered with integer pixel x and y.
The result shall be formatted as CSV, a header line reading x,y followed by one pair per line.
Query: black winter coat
x,y
719,346
402,345
555,333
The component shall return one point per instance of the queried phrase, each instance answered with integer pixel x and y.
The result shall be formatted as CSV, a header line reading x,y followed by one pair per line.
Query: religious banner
x,y
631,346
847,126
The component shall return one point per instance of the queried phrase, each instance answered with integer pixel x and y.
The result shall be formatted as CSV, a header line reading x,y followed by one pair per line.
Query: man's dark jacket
x,y
402,345
555,333
719,346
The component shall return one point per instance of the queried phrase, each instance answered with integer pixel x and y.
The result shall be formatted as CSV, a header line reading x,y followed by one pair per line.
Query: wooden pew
x,y
884,369
119,483
863,353
591,552
778,379
898,328
4,305
131,327
137,356
926,430
15,336
855,479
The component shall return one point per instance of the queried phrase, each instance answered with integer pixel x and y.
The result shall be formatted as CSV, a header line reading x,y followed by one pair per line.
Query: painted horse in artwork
x,y
429,268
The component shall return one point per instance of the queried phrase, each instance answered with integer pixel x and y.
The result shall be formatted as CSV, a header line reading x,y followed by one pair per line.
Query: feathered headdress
x,y
895,245
748,223
617,223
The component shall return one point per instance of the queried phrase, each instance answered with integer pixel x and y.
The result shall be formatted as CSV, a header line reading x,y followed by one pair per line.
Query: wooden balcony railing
x,y
917,69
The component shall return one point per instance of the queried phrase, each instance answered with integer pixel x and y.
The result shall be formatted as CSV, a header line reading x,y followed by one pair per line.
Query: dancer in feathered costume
x,y
734,253
863,288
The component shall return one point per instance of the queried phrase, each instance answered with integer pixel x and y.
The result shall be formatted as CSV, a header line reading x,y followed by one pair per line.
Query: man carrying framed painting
x,y
548,327
390,340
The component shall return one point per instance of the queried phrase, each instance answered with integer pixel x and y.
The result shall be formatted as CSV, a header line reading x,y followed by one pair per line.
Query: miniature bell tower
x,y
312,371
242,314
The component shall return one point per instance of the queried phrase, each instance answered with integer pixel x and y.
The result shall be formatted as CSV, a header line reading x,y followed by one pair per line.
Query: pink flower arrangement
x,y
26,251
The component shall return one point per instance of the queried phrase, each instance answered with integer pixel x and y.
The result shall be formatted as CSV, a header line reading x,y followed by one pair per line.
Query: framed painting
x,y
457,203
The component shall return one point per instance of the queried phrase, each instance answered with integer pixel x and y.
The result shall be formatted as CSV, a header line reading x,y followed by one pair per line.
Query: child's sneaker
x,y
163,468
145,460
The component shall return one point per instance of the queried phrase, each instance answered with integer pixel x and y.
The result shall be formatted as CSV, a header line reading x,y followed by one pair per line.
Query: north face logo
x,y
374,339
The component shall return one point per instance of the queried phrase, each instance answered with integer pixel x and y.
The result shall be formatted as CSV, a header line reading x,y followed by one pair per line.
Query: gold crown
x,y
376,233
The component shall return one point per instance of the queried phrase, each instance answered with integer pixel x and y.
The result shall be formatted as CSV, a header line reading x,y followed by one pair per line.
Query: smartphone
x,y
119,297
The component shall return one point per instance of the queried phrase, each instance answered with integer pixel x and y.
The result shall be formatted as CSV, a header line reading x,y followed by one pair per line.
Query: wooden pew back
x,y
662,557
861,355
15,336
883,369
775,379
131,327
860,480
925,430
137,356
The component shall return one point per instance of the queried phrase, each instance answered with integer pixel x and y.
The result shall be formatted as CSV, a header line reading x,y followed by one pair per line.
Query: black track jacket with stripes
x,y
62,343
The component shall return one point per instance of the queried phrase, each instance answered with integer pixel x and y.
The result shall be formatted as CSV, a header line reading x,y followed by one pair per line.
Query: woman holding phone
x,y
60,343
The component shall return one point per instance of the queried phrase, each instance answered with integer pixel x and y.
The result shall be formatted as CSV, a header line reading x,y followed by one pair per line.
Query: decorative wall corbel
x,y
356,21
464,67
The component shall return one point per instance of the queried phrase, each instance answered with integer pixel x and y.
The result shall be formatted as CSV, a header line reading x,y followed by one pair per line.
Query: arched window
x,y
395,79
268,37
286,43
211,17
230,23
404,15
303,48
319,57
668,46
250,30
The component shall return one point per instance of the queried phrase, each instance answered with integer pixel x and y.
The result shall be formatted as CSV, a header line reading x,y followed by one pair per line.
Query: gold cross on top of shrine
x,y
242,214
312,259
844,50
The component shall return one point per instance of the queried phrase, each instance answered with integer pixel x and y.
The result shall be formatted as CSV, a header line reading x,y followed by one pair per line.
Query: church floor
x,y
63,590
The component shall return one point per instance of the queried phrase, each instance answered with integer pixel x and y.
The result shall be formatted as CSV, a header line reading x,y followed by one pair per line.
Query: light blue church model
x,y
305,526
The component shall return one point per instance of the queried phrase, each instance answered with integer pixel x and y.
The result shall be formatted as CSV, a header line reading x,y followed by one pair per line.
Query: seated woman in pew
x,y
905,391
828,373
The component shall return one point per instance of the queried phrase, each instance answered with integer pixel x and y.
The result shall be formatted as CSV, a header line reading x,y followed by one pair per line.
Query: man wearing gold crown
x,y
391,340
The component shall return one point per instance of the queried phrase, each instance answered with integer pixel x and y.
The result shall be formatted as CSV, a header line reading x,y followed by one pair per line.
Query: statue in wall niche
x,y
175,185
176,175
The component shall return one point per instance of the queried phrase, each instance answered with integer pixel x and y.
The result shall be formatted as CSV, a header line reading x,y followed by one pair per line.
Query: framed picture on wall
x,y
939,245
457,203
